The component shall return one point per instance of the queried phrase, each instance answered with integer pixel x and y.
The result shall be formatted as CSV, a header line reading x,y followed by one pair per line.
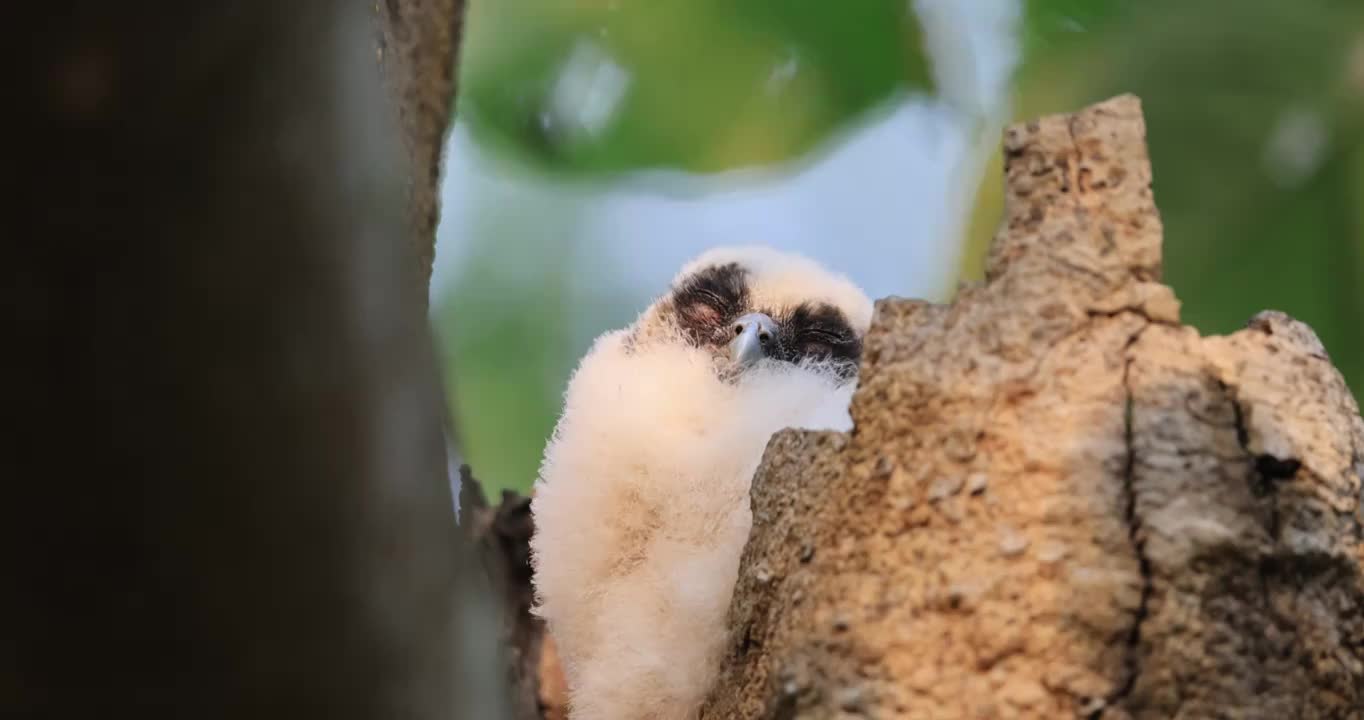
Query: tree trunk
x,y
418,48
1057,501
230,498
419,42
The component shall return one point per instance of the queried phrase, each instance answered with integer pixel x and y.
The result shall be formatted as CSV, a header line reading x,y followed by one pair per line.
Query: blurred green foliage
x,y
700,85
506,335
1051,26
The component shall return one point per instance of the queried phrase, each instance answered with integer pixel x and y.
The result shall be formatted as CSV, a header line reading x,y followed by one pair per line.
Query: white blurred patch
x,y
453,461
871,207
587,92
1296,146
783,74
974,46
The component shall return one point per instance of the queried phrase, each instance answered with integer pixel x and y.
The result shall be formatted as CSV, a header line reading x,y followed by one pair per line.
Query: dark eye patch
x,y
708,300
811,332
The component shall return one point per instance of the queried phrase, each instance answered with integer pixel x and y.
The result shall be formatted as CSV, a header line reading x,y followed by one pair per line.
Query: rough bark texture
x,y
1057,501
502,535
230,498
419,42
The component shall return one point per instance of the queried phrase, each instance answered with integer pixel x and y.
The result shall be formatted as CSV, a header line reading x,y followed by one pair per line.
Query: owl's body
x,y
641,509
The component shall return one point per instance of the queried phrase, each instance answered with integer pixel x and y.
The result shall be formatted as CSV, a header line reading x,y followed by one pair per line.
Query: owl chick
x,y
641,508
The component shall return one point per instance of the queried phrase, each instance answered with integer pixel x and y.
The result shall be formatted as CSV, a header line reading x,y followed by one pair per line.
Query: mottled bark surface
x,y
419,42
1057,501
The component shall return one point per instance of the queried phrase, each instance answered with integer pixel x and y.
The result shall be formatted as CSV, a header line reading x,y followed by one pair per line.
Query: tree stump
x,y
1057,501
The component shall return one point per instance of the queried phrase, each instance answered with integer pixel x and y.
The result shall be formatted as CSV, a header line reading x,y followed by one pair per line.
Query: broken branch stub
x,y
1056,500
501,533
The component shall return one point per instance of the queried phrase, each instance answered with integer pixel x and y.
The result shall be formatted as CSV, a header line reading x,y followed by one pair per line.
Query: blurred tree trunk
x,y
229,494
1057,500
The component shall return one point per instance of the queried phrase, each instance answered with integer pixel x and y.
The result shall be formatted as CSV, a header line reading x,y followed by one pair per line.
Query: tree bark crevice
x,y
1094,709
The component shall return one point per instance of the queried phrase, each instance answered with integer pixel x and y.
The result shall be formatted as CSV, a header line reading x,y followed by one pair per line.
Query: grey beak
x,y
754,335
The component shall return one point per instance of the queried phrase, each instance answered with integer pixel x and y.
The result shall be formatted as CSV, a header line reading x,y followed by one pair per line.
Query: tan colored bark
x,y
1057,501
418,47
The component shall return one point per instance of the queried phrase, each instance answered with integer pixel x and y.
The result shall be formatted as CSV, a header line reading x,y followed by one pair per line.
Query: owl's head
x,y
751,308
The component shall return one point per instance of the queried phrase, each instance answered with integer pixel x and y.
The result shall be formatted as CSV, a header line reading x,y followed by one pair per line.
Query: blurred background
x,y
601,143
